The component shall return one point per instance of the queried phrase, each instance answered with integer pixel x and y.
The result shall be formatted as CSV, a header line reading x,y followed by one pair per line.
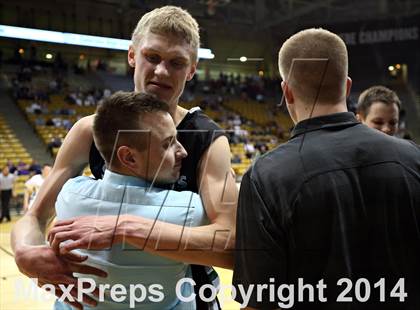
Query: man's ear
x,y
359,117
126,158
131,56
349,82
192,71
287,92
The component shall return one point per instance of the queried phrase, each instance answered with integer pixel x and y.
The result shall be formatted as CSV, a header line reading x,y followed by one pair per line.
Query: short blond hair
x,y
320,65
169,20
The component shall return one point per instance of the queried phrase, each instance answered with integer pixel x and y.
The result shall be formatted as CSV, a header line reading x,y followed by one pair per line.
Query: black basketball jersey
x,y
196,132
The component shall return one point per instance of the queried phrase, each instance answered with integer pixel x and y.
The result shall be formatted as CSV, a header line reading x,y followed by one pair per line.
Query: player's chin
x,y
164,95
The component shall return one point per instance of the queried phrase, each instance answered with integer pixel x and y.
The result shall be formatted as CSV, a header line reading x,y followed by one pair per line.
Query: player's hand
x,y
41,263
86,232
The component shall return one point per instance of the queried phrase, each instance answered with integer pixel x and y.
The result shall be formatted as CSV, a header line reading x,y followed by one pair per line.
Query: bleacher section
x,y
11,149
53,110
260,113
261,122
257,114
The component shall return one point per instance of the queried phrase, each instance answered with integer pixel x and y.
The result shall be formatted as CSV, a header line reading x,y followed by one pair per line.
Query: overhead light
x,y
398,66
76,39
205,53
391,68
21,51
48,56
244,59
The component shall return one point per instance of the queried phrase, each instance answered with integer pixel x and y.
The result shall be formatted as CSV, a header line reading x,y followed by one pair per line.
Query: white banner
x,y
381,36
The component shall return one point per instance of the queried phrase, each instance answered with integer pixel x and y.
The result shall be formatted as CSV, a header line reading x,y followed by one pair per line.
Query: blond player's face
x,y
162,65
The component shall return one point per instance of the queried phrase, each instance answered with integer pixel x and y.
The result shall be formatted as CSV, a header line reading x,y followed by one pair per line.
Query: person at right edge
x,y
339,200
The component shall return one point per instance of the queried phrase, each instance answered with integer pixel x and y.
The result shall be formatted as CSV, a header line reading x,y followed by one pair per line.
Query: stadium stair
x,y
21,127
113,81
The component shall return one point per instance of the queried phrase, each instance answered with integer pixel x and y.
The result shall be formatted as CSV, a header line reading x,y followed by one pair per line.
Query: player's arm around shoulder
x,y
71,158
209,244
33,256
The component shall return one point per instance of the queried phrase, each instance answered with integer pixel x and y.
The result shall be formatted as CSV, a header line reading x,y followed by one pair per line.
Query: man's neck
x,y
320,110
178,114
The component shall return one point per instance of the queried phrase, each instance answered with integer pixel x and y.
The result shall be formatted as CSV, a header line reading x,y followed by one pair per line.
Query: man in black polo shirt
x,y
330,219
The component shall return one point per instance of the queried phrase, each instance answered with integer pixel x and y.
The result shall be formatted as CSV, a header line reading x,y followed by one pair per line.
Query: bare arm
x,y
33,257
71,158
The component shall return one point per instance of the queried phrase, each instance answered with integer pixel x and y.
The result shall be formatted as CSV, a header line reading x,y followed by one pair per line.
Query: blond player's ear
x,y
192,72
131,56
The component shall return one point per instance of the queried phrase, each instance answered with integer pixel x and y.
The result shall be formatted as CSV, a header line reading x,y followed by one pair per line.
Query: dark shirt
x,y
195,132
338,200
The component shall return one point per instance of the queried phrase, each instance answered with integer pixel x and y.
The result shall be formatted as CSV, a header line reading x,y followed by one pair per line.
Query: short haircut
x,y
305,76
376,94
123,111
169,20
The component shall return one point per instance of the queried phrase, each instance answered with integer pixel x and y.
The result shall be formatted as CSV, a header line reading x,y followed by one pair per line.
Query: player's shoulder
x,y
84,124
281,162
197,119
281,155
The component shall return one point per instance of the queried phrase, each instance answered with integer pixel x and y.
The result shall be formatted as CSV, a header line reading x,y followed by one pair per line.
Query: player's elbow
x,y
228,260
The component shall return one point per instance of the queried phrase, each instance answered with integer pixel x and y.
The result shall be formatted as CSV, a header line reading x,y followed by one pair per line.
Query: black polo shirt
x,y
338,200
